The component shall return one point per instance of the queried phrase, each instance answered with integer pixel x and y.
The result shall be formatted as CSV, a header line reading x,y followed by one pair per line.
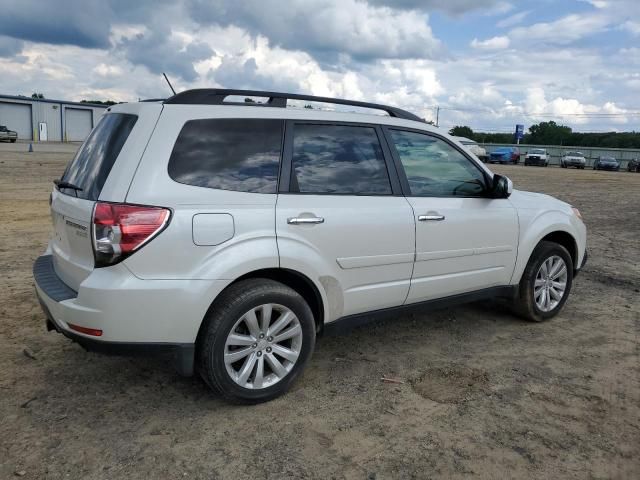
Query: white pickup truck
x,y
7,135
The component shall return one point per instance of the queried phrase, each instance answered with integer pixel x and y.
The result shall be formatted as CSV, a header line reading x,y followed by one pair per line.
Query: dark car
x,y
606,163
7,135
505,155
633,165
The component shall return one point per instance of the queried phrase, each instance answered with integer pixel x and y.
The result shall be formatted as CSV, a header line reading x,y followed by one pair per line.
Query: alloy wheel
x,y
263,346
550,283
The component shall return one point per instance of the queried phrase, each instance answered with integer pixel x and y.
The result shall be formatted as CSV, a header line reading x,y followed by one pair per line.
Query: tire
x,y
562,165
227,313
525,303
13,140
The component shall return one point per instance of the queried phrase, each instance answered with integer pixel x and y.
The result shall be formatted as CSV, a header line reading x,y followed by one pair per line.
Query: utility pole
x,y
437,115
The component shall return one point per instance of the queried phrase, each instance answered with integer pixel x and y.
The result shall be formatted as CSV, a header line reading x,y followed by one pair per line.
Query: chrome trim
x,y
304,220
427,218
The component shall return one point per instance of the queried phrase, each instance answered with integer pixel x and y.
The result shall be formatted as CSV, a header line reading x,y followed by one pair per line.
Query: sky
x,y
488,64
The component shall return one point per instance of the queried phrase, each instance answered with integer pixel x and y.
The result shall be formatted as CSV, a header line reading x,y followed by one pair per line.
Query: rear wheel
x,y
13,140
545,283
256,340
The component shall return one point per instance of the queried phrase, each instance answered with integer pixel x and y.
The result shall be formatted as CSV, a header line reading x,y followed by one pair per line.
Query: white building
x,y
48,120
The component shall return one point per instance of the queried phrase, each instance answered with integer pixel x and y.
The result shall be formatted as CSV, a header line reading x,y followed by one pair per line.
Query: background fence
x,y
623,155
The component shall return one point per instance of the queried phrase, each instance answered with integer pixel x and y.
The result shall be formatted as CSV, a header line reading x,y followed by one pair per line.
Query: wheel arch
x,y
558,230
291,278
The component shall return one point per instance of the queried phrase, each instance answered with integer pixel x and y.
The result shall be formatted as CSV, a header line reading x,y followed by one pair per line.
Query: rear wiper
x,y
60,184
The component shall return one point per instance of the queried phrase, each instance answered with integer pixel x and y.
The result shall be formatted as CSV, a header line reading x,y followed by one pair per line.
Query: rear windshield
x,y
90,167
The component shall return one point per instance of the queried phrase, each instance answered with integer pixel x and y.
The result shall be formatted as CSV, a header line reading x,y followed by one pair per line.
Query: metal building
x,y
48,120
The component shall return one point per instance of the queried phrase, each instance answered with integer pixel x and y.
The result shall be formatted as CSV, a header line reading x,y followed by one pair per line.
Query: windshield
x,y
90,167
537,150
575,154
607,159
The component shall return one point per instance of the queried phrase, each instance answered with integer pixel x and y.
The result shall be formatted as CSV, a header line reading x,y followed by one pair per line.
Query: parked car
x,y
505,155
474,148
537,156
232,235
633,165
7,135
606,163
573,159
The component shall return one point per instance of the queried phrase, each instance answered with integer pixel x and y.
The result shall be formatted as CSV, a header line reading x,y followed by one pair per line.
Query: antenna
x,y
170,86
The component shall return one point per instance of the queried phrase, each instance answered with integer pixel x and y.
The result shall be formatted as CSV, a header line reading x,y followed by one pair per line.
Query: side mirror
x,y
502,187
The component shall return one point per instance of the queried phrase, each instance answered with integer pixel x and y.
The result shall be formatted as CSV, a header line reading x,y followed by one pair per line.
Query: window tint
x,y
228,154
338,159
90,167
435,168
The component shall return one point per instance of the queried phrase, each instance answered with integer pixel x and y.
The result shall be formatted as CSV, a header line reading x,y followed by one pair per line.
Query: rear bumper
x,y
136,316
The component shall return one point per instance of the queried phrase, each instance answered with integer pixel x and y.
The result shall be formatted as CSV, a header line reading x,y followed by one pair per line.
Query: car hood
x,y
532,200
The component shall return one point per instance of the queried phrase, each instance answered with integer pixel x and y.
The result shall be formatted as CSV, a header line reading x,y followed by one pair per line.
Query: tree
x,y
548,133
461,131
99,102
37,95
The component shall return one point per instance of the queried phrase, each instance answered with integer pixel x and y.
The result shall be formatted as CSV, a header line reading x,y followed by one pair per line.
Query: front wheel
x,y
256,340
545,283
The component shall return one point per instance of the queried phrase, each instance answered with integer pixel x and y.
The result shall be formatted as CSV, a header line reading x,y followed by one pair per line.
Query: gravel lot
x,y
484,394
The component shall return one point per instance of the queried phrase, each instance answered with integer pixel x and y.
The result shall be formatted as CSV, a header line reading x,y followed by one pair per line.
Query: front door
x,y
342,219
465,241
43,136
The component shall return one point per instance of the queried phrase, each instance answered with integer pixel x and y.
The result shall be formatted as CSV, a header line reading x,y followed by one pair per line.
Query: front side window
x,y
436,169
228,154
338,159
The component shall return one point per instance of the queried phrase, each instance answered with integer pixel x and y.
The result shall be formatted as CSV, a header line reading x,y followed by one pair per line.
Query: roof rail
x,y
216,96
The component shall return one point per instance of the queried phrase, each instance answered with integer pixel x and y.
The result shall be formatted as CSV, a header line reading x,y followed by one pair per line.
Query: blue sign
x,y
519,131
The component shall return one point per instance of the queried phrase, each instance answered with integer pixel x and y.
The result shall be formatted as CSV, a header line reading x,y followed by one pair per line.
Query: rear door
x,y
72,208
341,218
465,241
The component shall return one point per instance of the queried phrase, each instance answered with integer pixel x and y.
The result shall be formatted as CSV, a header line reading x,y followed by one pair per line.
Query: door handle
x,y
430,218
304,220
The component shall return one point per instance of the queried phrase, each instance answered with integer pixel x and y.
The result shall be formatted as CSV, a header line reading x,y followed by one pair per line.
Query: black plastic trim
x,y
47,279
352,321
216,96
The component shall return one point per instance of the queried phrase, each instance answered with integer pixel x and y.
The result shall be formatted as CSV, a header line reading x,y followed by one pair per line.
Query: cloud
x,y
563,31
456,7
72,22
514,19
10,46
632,27
160,51
494,43
327,28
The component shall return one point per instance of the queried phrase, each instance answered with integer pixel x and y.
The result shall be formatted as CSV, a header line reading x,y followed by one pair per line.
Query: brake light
x,y
120,229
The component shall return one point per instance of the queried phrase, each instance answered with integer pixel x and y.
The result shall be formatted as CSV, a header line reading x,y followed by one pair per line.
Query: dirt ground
x,y
484,394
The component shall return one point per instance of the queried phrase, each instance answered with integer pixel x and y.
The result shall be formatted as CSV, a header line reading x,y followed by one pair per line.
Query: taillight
x,y
120,229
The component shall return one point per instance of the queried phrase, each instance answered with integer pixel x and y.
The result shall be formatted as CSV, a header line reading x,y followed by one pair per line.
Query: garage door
x,y
77,124
17,116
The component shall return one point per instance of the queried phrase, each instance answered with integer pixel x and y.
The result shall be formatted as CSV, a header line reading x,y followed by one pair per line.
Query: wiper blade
x,y
61,184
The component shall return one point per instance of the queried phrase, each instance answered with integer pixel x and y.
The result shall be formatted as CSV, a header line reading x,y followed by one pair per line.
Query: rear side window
x,y
338,159
90,167
228,154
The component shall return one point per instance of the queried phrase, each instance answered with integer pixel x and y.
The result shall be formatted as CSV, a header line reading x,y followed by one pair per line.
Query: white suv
x,y
232,234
